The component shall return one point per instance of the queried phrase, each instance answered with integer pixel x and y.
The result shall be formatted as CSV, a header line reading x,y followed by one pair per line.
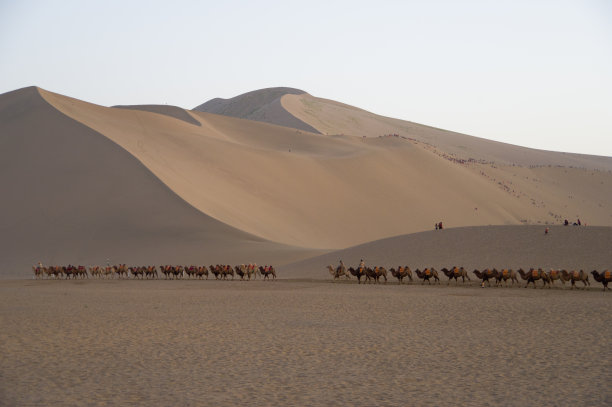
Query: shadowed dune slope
x,y
172,111
331,117
314,190
262,105
565,247
70,195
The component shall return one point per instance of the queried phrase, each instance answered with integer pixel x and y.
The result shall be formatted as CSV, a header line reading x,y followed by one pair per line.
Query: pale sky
x,y
532,73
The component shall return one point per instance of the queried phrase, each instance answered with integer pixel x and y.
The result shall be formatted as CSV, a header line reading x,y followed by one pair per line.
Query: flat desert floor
x,y
292,342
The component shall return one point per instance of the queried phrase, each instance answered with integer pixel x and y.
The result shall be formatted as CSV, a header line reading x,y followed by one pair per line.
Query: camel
x,y
534,275
190,271
121,270
486,275
150,271
38,272
136,271
338,272
604,278
427,274
456,272
574,276
240,271
401,273
554,275
267,271
201,272
358,272
505,275
376,273
252,270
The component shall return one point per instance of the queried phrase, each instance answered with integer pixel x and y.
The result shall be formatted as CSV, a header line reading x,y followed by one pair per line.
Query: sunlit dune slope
x,y
321,191
71,195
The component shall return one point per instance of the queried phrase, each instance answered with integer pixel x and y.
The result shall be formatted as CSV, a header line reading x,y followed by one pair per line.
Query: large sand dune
x,y
261,182
70,195
313,190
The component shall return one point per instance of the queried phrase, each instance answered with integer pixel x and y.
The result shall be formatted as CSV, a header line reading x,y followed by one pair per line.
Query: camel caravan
x,y
500,278
170,272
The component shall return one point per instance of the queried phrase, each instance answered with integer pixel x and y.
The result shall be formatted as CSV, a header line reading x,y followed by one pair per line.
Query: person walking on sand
x,y
436,225
440,226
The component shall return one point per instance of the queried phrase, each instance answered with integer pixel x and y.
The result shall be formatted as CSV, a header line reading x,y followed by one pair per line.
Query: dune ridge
x,y
263,105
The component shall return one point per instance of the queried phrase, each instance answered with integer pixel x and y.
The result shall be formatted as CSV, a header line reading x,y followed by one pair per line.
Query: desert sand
x,y
293,343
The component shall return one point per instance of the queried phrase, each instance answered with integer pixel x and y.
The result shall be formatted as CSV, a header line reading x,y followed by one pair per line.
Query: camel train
x,y
499,278
170,272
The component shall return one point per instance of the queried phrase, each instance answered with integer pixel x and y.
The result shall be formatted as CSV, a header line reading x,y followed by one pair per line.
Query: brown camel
x,y
427,274
505,275
374,274
401,273
151,272
534,275
136,272
240,271
358,272
486,275
604,278
456,272
267,271
575,276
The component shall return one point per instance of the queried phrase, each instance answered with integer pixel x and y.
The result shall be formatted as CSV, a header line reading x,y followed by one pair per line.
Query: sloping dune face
x,y
71,195
262,105
476,247
333,191
330,117
295,187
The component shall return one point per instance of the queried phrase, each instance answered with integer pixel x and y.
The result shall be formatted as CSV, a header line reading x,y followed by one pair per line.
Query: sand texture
x,y
213,343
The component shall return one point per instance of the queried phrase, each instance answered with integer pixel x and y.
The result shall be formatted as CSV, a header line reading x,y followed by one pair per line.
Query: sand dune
x,y
172,111
70,195
331,117
269,183
262,105
295,187
475,247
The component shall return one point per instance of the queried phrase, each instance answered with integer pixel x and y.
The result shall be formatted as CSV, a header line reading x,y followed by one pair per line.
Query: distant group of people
x,y
577,223
438,226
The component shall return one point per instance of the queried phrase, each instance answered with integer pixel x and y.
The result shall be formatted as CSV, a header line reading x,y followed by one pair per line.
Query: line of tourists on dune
x,y
499,277
172,272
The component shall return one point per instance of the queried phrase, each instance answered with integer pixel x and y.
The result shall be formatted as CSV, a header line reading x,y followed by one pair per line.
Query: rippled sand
x,y
301,343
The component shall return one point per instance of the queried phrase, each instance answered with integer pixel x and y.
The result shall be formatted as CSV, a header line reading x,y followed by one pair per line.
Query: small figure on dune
x,y
546,231
440,226
566,222
436,225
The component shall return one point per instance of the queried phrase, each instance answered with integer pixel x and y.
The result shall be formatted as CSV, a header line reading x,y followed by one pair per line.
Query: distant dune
x,y
172,111
262,105
147,183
